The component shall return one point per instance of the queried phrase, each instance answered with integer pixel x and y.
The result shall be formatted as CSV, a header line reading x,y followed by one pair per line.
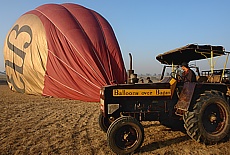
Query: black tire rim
x,y
126,137
214,118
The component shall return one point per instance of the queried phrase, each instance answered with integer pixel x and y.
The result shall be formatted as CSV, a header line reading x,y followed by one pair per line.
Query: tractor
x,y
199,108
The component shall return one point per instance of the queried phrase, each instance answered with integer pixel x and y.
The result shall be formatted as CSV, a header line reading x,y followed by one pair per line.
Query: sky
x,y
145,28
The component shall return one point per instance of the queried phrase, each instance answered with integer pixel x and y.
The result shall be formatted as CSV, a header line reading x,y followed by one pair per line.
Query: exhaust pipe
x,y
132,78
131,62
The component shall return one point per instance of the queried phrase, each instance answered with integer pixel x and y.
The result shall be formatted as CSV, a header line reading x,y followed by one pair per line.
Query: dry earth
x,y
38,125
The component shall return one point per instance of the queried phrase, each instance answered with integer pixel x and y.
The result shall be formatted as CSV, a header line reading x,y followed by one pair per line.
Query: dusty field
x,y
37,125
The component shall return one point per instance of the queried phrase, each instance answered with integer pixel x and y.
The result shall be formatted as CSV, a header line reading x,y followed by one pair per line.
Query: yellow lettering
x,y
142,92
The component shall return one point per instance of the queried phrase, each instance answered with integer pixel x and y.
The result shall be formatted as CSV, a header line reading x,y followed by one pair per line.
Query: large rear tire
x,y
125,135
209,122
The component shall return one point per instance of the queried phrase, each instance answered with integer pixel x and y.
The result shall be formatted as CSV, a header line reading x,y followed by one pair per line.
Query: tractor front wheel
x,y
125,135
103,122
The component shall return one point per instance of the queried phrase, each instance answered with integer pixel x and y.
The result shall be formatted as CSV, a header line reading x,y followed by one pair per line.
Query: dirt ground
x,y
39,125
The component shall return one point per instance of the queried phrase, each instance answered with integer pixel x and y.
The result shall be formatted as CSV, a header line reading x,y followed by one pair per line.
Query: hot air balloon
x,y
62,50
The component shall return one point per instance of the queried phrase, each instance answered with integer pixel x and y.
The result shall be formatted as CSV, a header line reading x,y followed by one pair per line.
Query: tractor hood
x,y
190,52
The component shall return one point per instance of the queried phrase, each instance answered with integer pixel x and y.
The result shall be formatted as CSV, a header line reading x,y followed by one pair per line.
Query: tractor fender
x,y
185,98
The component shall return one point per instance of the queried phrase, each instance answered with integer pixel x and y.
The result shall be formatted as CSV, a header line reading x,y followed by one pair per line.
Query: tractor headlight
x,y
102,96
102,103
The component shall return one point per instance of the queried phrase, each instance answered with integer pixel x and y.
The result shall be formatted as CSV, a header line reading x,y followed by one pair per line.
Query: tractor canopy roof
x,y
190,52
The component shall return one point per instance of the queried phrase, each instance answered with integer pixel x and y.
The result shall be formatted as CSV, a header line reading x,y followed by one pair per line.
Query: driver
x,y
188,75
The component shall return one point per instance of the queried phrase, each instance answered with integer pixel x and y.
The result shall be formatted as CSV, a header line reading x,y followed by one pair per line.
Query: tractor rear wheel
x,y
125,135
209,122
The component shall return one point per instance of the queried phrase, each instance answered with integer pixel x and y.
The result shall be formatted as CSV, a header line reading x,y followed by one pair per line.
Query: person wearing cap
x,y
188,75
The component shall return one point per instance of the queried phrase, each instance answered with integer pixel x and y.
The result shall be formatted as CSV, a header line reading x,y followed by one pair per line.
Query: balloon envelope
x,y
65,51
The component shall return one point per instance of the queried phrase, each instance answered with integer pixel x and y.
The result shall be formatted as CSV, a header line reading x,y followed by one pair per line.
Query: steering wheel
x,y
176,76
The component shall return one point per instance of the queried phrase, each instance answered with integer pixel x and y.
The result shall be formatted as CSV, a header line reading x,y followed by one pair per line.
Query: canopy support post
x,y
225,64
212,65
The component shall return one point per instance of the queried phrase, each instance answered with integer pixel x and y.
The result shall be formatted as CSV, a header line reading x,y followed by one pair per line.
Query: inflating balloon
x,y
65,51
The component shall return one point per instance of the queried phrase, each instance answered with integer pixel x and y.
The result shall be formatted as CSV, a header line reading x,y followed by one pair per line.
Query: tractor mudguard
x,y
185,98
